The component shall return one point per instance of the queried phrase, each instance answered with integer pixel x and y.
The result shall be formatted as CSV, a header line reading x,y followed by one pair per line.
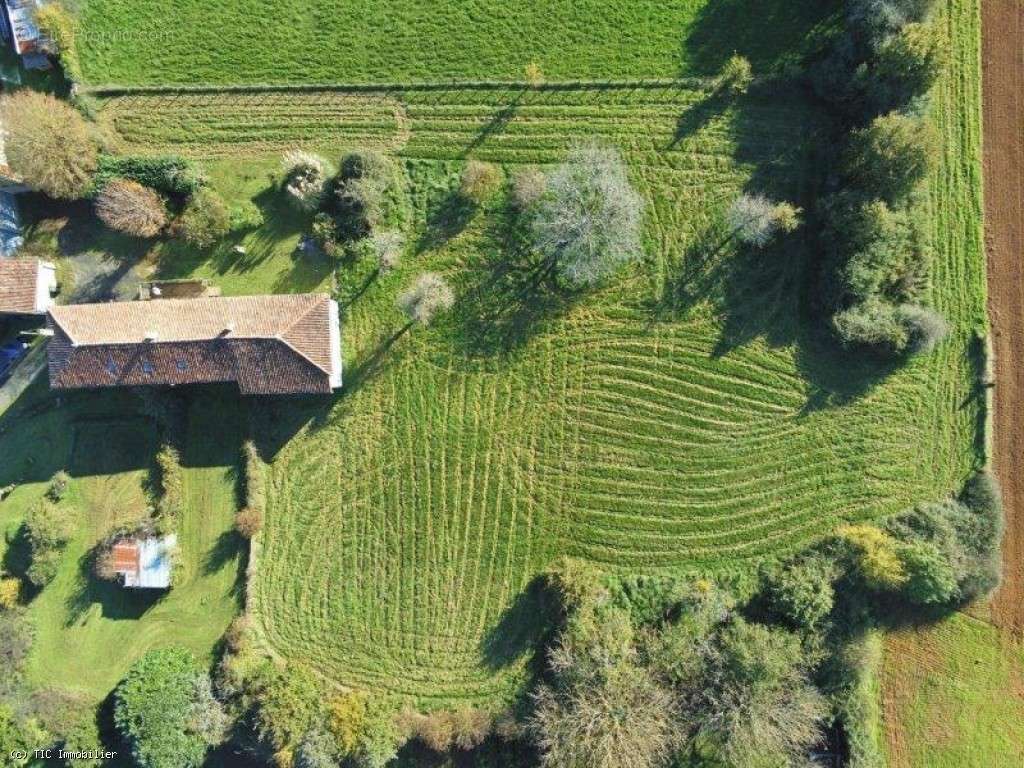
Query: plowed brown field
x,y
1003,99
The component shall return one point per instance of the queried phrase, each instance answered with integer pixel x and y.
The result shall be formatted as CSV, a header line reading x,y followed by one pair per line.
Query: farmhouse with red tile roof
x,y
268,345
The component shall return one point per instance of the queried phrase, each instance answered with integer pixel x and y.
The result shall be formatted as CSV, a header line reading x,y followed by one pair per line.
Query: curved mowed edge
x,y
652,453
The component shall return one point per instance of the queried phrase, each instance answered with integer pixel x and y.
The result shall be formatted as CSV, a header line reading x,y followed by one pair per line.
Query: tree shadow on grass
x,y
768,32
698,115
768,293
113,600
498,123
277,420
445,222
18,555
281,224
522,628
508,294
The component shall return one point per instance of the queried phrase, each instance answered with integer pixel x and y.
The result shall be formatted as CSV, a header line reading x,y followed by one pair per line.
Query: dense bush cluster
x,y
876,264
945,553
205,220
171,487
57,24
166,711
174,177
249,520
654,669
365,195
49,527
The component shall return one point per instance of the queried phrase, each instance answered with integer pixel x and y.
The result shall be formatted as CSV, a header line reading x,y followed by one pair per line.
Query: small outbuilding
x,y
26,286
144,562
18,26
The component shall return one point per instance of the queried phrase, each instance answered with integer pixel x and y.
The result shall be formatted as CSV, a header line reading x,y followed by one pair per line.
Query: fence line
x,y
480,85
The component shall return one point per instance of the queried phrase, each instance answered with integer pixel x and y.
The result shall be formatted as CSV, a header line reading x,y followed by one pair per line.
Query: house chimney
x,y
228,329
152,336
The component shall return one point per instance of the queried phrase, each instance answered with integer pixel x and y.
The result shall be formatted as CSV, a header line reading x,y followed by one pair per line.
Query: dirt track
x,y
1003,99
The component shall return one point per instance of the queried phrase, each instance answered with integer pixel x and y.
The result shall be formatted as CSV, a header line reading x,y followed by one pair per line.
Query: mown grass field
x,y
87,633
684,418
954,696
132,42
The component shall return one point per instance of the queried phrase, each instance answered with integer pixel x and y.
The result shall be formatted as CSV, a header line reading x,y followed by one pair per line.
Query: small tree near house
x,y
48,144
427,297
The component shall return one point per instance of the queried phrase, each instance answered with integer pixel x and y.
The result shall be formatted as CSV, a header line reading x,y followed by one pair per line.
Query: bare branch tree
x,y
127,206
588,222
755,219
427,297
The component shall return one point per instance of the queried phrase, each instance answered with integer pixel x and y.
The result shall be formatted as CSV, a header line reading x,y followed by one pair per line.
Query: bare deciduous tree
x,y
48,144
620,717
127,206
755,219
754,700
588,222
428,296
304,177
387,246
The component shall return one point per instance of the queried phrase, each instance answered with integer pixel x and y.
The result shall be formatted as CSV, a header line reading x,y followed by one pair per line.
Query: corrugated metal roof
x,y
145,563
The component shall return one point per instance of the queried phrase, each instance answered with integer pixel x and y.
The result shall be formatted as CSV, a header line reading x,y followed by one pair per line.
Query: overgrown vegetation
x,y
170,490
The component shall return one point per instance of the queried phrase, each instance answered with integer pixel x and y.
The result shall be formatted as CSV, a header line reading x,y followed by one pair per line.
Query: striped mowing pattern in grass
x,y
683,418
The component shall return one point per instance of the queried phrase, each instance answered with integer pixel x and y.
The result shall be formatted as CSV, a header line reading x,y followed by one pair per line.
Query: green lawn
x,y
331,41
88,633
684,418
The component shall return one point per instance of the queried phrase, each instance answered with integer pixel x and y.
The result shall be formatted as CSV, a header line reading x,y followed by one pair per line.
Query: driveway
x,y
22,376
